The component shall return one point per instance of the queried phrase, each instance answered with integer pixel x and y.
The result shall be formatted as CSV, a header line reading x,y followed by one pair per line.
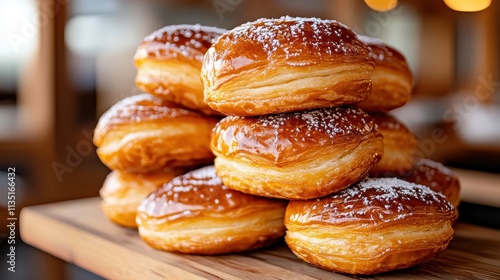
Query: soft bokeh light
x,y
468,5
382,5
18,38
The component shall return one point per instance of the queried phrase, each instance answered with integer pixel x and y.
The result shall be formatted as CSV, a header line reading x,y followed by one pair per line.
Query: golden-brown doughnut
x,y
169,64
400,147
297,155
143,133
122,193
391,79
437,177
374,226
288,64
196,214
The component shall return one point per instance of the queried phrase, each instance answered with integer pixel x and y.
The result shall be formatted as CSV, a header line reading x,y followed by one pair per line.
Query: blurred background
x,y
65,62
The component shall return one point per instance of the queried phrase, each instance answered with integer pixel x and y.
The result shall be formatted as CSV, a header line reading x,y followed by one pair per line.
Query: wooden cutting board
x,y
77,232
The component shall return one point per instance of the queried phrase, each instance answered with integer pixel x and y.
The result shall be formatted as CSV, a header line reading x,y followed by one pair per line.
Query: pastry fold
x,y
377,225
288,64
299,155
142,134
196,214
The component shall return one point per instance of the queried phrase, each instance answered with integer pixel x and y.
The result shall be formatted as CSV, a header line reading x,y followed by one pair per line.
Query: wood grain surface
x,y
479,187
77,232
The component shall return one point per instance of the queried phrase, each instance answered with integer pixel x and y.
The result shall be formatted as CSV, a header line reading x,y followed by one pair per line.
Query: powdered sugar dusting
x,y
137,108
386,121
371,40
199,192
433,174
389,190
200,177
390,125
140,107
436,165
187,40
332,121
380,50
382,200
291,36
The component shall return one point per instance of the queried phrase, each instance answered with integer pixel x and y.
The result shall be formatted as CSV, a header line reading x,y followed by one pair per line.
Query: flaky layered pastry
x,y
437,177
288,64
122,192
298,155
143,134
400,147
374,226
196,214
391,78
169,64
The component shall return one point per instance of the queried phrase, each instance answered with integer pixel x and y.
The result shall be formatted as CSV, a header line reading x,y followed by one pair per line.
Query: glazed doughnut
x,y
374,226
196,214
297,155
122,193
143,134
288,64
438,178
400,147
169,64
391,79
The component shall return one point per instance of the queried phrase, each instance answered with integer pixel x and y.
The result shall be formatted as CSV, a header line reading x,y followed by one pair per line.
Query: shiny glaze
x,y
119,183
280,137
179,41
372,202
437,177
140,108
201,193
387,122
385,55
287,40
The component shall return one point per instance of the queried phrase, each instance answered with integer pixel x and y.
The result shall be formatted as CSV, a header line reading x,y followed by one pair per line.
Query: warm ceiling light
x,y
468,5
382,5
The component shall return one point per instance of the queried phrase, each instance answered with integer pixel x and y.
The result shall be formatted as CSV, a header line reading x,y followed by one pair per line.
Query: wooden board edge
x,y
479,187
93,253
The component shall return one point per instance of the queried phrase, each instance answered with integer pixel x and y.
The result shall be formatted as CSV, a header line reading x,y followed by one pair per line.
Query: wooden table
x,y
77,232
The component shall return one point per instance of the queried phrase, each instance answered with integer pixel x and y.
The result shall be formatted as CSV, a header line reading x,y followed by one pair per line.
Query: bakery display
x,y
143,133
299,155
437,177
288,64
122,192
307,148
377,225
169,60
400,147
196,214
391,78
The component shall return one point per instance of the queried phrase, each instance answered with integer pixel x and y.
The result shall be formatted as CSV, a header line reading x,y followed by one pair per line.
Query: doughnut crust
x,y
391,79
122,193
400,147
143,134
169,64
437,177
288,64
374,226
196,214
297,155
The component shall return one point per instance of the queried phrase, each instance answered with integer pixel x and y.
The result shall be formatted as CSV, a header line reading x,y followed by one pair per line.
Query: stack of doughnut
x,y
391,88
307,103
196,213
295,112
286,85
150,138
